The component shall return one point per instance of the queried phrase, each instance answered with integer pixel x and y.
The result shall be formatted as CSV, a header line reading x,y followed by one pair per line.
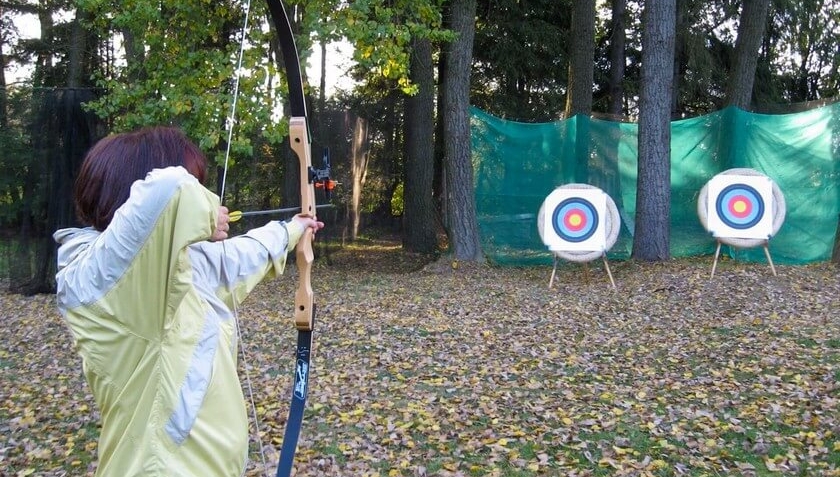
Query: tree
x,y
799,60
393,47
359,156
618,57
520,56
653,211
582,58
419,233
750,34
179,69
462,224
581,77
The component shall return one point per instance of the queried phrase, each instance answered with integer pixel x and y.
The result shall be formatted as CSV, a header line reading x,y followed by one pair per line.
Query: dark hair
x,y
118,160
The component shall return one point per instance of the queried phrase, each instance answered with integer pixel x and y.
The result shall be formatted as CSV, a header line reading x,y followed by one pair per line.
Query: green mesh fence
x,y
517,165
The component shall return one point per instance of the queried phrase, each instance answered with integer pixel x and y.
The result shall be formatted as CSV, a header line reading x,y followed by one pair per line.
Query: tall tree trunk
x,y
750,33
611,182
43,63
618,57
358,173
322,87
680,33
460,201
581,77
582,61
653,200
419,234
78,43
4,107
439,182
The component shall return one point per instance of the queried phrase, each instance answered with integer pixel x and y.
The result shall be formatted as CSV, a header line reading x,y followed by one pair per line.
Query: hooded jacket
x,y
148,303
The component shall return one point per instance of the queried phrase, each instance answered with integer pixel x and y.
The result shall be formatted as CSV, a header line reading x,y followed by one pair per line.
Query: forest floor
x,y
431,369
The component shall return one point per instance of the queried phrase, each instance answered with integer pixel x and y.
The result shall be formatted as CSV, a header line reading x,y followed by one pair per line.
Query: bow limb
x,y
301,145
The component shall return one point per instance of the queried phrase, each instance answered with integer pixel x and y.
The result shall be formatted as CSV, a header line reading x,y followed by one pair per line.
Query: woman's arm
x,y
235,266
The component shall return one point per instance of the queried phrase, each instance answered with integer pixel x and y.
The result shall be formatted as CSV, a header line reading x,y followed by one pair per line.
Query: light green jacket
x,y
148,302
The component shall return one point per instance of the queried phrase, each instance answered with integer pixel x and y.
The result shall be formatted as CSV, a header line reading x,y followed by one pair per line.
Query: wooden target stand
x,y
741,208
573,245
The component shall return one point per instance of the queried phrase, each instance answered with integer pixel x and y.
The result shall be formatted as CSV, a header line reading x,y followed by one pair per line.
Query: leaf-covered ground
x,y
430,370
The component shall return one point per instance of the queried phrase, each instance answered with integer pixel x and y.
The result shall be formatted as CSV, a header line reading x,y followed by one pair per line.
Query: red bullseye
x,y
740,206
575,220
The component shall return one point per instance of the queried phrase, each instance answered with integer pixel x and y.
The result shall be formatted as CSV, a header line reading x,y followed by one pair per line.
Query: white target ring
x,y
741,207
578,222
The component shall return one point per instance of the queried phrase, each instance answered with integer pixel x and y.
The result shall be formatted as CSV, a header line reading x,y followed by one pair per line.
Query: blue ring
x,y
721,206
562,210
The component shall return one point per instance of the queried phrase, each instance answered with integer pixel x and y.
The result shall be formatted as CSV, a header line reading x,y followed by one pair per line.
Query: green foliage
x,y
398,201
185,72
801,56
381,32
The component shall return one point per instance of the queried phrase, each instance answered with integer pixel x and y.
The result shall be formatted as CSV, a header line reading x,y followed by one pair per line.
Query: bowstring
x,y
231,121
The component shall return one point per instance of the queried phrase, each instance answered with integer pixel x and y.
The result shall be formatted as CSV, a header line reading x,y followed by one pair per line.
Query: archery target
x,y
574,220
740,206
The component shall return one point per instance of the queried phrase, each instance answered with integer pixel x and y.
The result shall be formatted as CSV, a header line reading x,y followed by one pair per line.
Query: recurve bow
x,y
304,314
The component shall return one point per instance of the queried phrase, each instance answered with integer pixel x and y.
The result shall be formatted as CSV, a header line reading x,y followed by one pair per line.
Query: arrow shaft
x,y
236,215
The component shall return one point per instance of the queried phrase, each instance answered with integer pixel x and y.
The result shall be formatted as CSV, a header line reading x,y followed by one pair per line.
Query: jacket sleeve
x,y
235,266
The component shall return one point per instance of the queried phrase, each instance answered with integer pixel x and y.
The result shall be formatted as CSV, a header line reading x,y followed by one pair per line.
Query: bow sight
x,y
320,178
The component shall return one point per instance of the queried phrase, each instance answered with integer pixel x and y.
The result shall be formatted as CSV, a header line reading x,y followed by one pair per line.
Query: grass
x,y
426,370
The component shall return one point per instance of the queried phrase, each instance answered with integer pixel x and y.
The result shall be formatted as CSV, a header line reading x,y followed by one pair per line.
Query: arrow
x,y
236,215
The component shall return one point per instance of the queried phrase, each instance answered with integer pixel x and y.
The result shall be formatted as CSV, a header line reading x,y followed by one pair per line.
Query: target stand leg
x,y
553,272
769,260
714,264
607,267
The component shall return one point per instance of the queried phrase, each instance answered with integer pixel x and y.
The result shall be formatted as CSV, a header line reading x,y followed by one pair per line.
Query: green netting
x,y
517,165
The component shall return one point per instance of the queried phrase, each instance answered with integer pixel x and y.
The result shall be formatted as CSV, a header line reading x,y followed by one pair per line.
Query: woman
x,y
147,291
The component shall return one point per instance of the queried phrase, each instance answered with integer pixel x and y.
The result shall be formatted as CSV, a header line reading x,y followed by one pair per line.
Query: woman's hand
x,y
222,225
308,222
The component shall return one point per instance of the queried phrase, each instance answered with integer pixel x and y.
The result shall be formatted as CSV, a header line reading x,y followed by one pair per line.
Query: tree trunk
x,y
44,61
439,182
322,86
582,61
359,162
581,74
618,56
419,232
4,108
680,33
653,209
135,54
76,73
835,253
460,201
750,33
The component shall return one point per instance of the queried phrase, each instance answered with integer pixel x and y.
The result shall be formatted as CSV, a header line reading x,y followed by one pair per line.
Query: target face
x,y
739,206
573,220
